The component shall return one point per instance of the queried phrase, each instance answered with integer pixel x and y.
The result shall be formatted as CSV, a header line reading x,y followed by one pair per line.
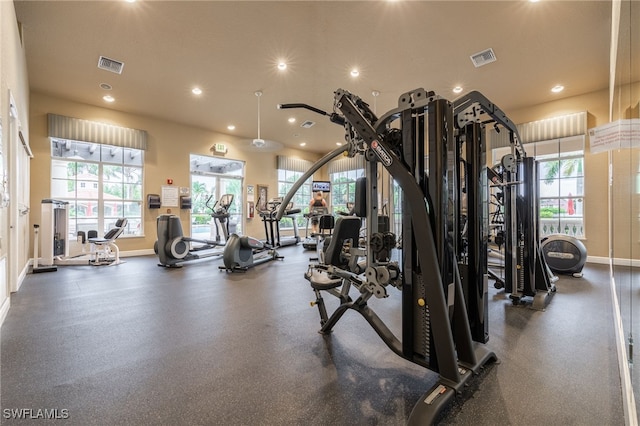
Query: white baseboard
x,y
598,259
23,274
616,261
134,253
130,253
4,309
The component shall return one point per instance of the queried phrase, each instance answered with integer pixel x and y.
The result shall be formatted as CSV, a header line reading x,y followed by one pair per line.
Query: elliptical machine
x,y
173,248
242,253
220,216
564,254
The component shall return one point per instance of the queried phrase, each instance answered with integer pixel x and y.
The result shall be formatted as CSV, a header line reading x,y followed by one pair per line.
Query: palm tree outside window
x,y
561,181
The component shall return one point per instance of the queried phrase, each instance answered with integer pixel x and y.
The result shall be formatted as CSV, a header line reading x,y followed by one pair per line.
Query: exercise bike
x,y
242,253
173,248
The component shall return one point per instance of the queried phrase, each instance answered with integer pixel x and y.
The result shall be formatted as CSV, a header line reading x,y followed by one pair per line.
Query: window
x,y
101,183
286,179
343,188
561,177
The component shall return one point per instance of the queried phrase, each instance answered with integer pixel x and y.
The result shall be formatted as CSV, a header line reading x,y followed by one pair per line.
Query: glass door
x,y
211,179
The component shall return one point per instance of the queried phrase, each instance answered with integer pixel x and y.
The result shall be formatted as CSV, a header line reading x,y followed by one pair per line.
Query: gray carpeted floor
x,y
139,344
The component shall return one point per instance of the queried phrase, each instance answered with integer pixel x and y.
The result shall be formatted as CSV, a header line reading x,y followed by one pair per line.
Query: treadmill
x,y
311,240
272,225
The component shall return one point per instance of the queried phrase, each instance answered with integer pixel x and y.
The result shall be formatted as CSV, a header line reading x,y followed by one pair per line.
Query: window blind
x,y
293,164
346,164
543,130
91,131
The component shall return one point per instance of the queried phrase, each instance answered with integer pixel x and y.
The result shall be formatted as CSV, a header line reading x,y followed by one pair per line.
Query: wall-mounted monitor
x,y
321,185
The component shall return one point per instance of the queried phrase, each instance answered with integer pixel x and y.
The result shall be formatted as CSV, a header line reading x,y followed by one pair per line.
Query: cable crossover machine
x,y
435,150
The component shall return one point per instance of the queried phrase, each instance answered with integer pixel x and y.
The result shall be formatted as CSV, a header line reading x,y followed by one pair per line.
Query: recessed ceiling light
x,y
231,127
303,143
282,66
291,120
457,89
196,91
557,89
108,98
339,143
105,86
534,1
355,72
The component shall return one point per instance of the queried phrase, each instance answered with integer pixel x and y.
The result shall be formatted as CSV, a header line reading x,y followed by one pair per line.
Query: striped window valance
x,y
293,164
346,164
91,131
543,130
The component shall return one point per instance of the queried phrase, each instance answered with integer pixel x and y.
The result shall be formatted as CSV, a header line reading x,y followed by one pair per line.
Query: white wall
x,y
13,78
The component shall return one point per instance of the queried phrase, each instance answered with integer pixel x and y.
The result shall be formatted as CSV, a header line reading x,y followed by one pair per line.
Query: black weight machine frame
x,y
526,271
435,316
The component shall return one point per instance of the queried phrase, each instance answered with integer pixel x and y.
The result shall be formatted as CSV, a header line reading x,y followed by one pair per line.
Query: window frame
x,y
286,179
561,222
67,152
340,197
199,173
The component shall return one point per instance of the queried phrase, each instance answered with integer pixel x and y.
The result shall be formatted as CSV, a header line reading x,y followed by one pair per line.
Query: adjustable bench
x,y
102,248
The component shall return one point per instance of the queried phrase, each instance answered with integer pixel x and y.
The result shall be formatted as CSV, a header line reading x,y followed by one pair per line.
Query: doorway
x,y
211,178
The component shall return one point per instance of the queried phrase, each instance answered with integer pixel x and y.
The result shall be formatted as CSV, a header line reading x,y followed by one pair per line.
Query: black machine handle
x,y
333,117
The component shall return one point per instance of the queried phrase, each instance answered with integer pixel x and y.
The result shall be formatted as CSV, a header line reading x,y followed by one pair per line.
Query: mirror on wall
x,y
624,188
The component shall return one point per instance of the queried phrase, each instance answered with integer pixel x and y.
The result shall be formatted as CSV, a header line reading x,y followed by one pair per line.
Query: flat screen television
x,y
321,185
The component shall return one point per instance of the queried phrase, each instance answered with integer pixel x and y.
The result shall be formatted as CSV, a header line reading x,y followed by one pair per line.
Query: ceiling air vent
x,y
483,58
110,65
307,124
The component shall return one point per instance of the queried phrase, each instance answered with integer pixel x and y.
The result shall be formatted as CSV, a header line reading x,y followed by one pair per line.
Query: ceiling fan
x,y
258,142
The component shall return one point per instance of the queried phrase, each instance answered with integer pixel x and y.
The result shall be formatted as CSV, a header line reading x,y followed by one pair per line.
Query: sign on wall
x,y
617,135
170,196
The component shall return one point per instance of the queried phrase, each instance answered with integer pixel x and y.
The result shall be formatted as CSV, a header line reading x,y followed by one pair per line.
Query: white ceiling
x,y
231,48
